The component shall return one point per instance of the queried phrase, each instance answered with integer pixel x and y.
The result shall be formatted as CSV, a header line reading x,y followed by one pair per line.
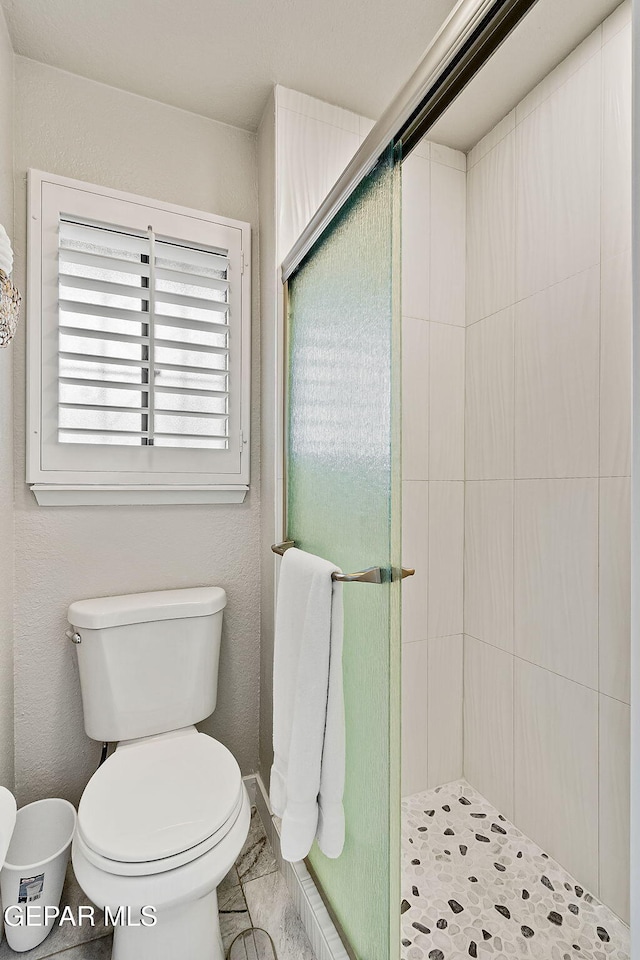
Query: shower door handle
x,y
407,572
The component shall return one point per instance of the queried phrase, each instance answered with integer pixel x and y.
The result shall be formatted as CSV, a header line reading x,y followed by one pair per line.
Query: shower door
x,y
343,492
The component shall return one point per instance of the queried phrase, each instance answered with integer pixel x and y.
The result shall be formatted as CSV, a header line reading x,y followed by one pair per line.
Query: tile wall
x,y
433,379
315,142
547,463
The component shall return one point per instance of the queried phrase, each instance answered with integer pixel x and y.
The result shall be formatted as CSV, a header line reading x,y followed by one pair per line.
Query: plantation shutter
x,y
143,340
139,344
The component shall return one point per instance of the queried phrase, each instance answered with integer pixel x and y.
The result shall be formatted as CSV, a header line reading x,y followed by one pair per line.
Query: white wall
x,y
433,347
71,126
548,403
6,428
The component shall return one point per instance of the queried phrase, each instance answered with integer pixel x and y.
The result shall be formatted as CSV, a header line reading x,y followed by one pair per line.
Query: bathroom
x,y
485,637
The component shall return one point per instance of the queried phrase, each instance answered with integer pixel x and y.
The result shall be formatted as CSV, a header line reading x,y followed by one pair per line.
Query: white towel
x,y
307,777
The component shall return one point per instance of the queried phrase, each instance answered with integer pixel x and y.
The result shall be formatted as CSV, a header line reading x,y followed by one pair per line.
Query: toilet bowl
x,y
160,824
164,818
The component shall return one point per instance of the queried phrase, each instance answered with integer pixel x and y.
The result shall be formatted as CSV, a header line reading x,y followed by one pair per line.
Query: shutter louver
x,y
143,353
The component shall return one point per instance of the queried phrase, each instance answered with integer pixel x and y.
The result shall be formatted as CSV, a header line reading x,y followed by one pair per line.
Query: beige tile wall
x,y
547,430
433,330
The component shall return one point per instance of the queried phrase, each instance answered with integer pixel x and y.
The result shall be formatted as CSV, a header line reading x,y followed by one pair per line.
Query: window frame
x,y
177,478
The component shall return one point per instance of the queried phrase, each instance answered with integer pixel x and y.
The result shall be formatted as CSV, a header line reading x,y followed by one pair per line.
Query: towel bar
x,y
370,575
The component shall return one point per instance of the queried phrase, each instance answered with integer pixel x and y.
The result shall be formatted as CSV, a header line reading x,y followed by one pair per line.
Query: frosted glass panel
x,y
343,504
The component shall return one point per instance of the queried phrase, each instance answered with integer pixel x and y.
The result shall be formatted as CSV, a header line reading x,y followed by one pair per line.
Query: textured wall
x,y
78,128
6,428
548,405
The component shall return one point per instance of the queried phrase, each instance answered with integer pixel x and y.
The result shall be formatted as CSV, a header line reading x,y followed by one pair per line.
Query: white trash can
x,y
33,873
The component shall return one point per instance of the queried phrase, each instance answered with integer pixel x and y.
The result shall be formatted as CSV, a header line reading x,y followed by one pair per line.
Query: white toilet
x,y
163,820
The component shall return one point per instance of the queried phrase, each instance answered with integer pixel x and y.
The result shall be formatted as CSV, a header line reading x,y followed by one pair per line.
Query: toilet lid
x,y
158,797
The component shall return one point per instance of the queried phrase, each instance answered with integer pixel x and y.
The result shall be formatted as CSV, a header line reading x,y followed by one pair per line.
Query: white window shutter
x,y
144,347
144,340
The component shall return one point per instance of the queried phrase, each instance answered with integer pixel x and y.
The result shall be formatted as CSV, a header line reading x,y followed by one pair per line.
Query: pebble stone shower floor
x,y
475,886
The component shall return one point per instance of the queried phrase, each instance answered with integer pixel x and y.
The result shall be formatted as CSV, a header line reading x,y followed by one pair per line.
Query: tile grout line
x,y
539,292
442,323
496,144
536,479
536,293
464,485
327,123
426,589
552,92
464,488
556,89
599,428
514,328
554,673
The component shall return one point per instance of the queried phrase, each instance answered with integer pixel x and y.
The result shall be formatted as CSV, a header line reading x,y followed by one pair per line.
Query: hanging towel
x,y
307,777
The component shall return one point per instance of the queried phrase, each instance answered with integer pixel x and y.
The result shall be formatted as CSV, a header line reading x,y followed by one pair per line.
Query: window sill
x,y
66,495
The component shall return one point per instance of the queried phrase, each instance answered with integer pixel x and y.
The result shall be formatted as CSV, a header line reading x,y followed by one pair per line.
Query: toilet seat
x,y
122,868
159,803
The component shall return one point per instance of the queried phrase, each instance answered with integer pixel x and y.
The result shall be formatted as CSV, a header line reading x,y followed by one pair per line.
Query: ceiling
x,y
550,31
220,58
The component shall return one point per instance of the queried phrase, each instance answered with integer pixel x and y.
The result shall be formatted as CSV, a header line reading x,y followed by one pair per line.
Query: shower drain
x,y
252,944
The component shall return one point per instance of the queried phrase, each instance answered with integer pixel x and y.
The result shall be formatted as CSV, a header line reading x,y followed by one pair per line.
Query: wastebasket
x,y
33,873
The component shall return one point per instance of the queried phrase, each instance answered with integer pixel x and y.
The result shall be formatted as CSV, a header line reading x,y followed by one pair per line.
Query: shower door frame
x,y
635,493
391,576
467,39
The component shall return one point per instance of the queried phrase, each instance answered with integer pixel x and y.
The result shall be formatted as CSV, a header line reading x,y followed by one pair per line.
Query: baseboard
x,y
250,784
312,911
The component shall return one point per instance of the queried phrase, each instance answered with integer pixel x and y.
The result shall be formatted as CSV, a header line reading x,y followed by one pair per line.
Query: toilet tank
x,y
148,662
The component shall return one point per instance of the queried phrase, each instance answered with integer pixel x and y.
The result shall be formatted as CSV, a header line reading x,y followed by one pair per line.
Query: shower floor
x,y
474,886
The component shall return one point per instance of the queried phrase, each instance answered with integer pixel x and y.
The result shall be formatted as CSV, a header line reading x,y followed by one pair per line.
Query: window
x,y
139,349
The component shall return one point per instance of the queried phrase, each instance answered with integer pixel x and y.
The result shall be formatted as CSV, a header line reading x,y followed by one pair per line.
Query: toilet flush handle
x,y
74,637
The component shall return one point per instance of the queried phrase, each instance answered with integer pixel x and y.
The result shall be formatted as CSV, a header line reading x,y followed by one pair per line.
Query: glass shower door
x,y
343,496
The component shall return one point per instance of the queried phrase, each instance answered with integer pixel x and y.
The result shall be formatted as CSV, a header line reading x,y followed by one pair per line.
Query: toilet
x,y
164,818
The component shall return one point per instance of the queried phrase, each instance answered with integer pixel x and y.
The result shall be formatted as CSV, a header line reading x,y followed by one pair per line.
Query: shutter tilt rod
x,y
151,412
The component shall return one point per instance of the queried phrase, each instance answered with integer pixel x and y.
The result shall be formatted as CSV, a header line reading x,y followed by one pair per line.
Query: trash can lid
x,y
158,797
7,821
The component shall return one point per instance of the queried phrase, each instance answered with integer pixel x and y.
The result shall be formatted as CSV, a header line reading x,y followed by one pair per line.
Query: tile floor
x,y
253,893
474,886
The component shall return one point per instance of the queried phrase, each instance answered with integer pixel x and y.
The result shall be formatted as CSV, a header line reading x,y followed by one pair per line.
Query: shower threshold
x,y
475,886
